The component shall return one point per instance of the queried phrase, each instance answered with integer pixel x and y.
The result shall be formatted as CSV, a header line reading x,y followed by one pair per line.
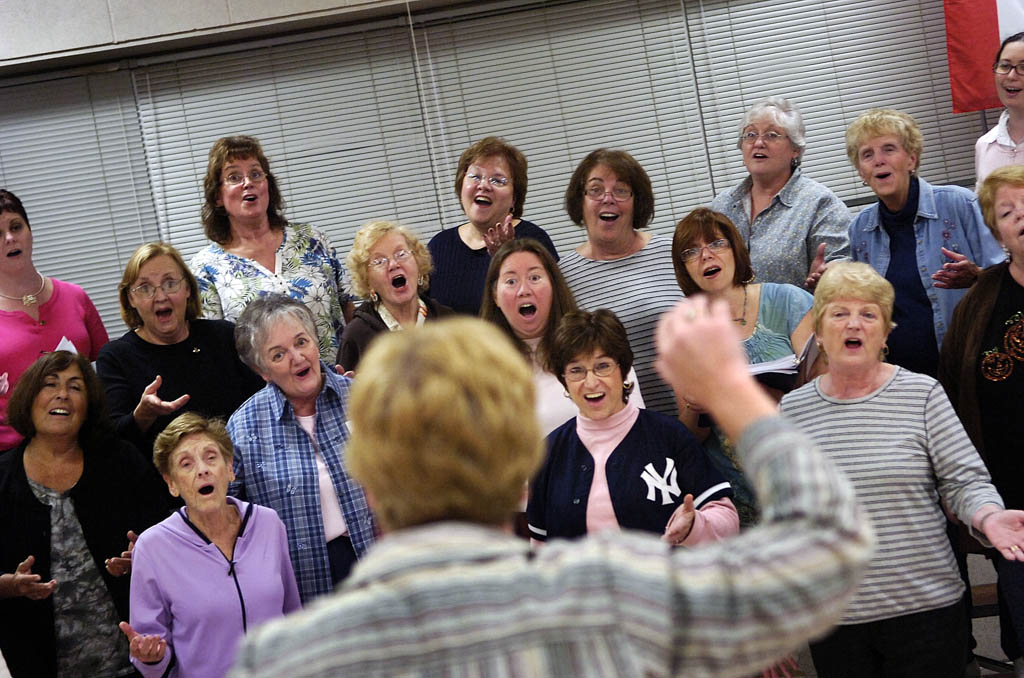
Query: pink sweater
x,y
67,313
713,521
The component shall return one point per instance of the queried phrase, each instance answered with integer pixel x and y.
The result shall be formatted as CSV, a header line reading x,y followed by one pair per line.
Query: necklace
x,y
742,320
29,299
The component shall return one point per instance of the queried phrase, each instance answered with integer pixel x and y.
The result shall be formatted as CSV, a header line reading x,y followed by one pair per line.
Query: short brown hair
x,y
185,425
583,332
11,203
19,408
706,224
880,121
358,259
443,425
1009,175
627,169
143,254
489,147
215,220
562,300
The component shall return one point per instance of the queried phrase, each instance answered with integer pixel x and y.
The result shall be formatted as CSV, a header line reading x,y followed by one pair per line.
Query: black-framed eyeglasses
x,y
147,291
692,253
1004,68
236,178
602,368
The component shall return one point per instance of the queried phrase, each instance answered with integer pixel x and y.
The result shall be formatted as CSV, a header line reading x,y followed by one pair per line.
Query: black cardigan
x,y
119,490
367,324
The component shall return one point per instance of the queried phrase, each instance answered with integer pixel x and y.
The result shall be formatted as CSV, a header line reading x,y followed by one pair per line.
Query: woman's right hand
x,y
147,649
22,582
150,406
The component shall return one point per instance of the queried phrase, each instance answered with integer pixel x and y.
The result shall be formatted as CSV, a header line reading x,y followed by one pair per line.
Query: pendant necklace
x,y
742,320
29,299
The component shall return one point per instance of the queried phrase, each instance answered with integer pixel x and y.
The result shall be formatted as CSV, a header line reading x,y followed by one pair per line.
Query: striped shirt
x,y
638,289
902,447
275,466
455,599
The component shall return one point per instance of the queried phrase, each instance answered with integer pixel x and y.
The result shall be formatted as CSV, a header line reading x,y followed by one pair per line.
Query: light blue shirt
x,y
947,216
275,466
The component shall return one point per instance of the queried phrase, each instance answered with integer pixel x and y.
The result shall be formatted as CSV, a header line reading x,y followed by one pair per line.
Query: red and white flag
x,y
974,29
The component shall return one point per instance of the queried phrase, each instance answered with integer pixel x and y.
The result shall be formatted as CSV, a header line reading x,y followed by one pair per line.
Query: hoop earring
x,y
422,281
374,297
627,388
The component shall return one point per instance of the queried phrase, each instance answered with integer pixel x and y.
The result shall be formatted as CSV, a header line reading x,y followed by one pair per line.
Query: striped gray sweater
x,y
902,447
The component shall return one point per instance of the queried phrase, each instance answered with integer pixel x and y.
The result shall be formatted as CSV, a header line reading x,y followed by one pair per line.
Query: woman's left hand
x,y
122,564
680,523
499,234
956,274
1005,530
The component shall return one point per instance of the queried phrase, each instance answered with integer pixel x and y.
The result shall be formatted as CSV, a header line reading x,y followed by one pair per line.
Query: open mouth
x,y
249,198
301,374
883,175
398,281
164,313
852,343
760,156
712,270
607,216
1011,90
206,490
60,412
593,398
482,200
13,253
527,310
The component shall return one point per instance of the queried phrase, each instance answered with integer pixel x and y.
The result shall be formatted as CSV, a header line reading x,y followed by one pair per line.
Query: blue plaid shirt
x,y
275,466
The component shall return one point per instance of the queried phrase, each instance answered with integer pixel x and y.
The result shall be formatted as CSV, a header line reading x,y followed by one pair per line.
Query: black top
x,y
367,324
912,343
459,272
205,366
1000,384
119,490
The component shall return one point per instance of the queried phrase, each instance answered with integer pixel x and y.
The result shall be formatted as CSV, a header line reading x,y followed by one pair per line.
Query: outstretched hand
x,y
145,648
25,584
150,406
499,234
817,269
680,523
119,565
1005,530
956,274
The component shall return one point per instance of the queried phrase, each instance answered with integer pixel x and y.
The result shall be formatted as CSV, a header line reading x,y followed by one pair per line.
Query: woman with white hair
x,y
791,224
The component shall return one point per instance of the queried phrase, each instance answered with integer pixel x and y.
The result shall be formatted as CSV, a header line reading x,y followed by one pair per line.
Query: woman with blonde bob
x,y
212,569
897,438
170,360
980,366
926,240
390,268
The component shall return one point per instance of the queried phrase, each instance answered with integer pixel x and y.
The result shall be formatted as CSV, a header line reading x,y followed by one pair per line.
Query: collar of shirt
x,y
925,207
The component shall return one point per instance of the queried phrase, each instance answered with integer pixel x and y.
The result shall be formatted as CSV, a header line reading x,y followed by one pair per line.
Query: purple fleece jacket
x,y
185,590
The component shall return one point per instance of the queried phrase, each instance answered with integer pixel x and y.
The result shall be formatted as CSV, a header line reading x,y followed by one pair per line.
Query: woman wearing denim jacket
x,y
929,241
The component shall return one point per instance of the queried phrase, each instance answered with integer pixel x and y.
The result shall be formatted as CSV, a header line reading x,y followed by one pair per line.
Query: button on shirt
x,y
275,465
947,216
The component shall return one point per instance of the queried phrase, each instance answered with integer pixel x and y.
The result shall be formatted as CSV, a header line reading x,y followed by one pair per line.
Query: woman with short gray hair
x,y
290,443
792,225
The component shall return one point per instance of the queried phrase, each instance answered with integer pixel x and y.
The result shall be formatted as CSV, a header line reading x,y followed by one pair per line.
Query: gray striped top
x,y
638,289
902,447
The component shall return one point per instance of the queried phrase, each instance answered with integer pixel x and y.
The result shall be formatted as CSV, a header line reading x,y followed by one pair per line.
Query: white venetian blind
x,y
338,118
834,59
559,80
71,151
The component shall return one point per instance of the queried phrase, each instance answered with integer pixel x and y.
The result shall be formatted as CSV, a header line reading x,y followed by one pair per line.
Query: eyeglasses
x,y
398,257
496,182
602,368
236,178
769,137
1004,68
169,286
619,193
692,253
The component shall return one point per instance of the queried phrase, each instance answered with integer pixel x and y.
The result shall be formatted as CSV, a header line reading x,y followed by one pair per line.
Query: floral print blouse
x,y
308,269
